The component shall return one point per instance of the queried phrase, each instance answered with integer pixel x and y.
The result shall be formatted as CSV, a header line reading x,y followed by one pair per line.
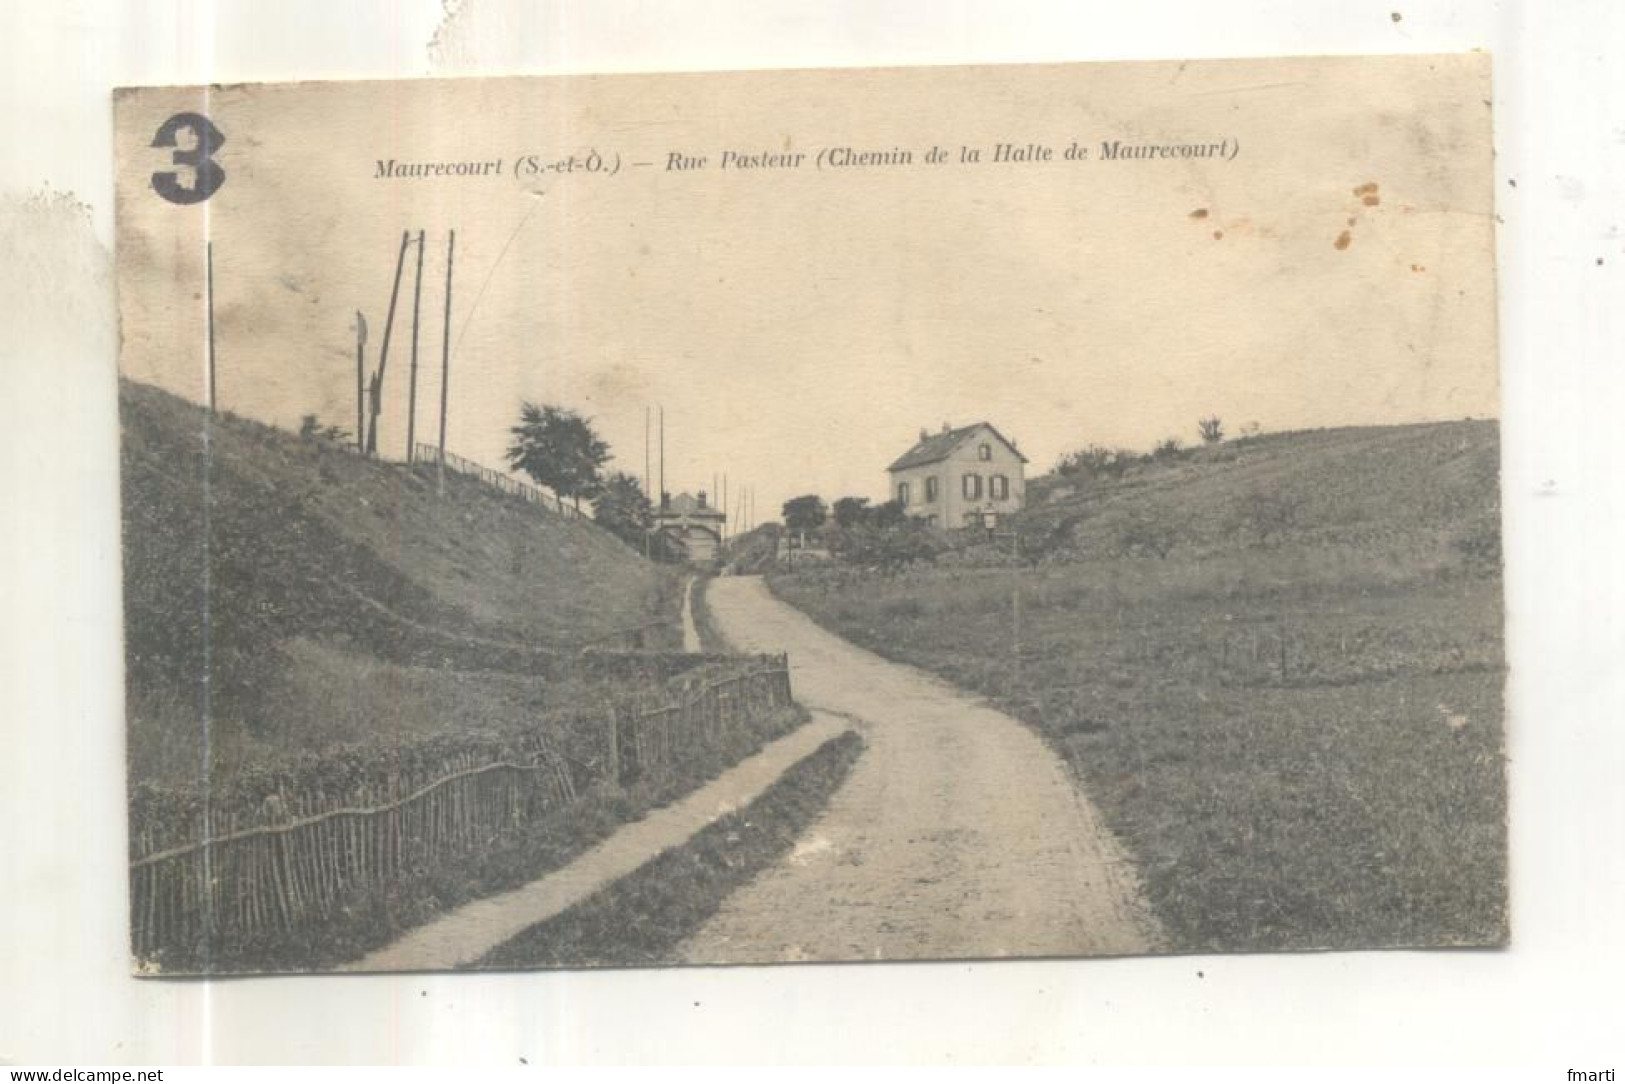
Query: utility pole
x,y
208,259
360,396
445,357
1015,620
648,482
383,353
412,381
724,504
662,458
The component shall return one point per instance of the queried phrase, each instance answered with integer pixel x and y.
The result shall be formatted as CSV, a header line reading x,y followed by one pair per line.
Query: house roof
x,y
686,505
939,446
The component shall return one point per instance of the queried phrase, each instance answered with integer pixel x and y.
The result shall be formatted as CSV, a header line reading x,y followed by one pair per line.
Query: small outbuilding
x,y
692,525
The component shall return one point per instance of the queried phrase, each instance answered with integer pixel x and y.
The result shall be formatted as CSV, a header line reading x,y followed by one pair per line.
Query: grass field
x,y
331,599
1300,736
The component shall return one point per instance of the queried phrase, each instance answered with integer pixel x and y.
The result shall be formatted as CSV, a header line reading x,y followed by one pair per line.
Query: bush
x,y
891,549
1166,449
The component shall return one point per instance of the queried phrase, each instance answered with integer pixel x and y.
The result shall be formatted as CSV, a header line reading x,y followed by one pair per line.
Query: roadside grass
x,y
711,639
1353,798
425,891
641,919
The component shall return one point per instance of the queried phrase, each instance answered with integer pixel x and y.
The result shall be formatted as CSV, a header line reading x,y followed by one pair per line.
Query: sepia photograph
x,y
761,517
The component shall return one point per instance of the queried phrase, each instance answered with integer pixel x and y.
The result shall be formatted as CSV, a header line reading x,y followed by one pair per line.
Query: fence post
x,y
614,745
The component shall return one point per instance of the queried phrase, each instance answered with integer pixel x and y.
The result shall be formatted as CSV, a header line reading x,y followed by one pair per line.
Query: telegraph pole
x,y
445,357
383,353
662,504
412,381
360,396
208,258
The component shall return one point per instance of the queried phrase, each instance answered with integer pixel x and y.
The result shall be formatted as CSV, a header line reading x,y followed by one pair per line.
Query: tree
x,y
1211,428
887,516
851,511
805,513
621,508
558,448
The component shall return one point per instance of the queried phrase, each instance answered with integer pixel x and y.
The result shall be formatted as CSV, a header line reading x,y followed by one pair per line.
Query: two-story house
x,y
966,477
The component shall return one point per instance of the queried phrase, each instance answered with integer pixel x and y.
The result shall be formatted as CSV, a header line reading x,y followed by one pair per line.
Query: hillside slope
x,y
1357,487
328,597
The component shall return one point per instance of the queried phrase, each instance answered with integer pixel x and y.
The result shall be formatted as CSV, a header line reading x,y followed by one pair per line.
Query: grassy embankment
x,y
1294,719
288,602
332,599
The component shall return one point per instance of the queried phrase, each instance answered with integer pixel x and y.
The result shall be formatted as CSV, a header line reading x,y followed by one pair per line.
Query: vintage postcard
x,y
751,517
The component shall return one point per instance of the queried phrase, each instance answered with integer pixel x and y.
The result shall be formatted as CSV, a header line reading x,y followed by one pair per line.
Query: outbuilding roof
x,y
939,446
685,504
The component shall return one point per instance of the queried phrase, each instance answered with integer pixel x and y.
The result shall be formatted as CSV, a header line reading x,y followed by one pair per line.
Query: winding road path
x,y
958,834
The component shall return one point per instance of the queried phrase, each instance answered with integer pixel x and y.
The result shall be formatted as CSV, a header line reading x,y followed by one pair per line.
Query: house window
x,y
930,521
973,487
973,519
998,487
931,490
902,494
985,453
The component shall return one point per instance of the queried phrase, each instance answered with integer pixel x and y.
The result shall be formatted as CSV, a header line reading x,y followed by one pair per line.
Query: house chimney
x,y
702,498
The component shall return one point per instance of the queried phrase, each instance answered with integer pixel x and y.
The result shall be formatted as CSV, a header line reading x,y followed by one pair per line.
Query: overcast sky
x,y
801,326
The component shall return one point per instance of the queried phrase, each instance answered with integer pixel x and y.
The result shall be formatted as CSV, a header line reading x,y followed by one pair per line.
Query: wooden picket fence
x,y
430,454
643,739
305,854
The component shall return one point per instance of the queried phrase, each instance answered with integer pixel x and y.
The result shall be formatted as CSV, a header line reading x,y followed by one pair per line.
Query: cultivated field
x,y
1293,718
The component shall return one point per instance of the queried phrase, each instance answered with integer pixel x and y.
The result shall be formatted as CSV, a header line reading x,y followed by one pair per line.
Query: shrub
x,y
1480,546
1211,428
1167,448
1096,461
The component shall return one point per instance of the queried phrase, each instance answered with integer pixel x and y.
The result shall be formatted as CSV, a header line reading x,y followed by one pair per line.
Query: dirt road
x,y
958,833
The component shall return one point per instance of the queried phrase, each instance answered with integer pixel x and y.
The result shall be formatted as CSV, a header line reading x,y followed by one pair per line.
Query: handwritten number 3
x,y
207,176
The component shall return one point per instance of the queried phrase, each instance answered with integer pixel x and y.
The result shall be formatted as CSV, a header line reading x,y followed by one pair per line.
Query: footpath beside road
x,y
691,631
465,934
958,834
